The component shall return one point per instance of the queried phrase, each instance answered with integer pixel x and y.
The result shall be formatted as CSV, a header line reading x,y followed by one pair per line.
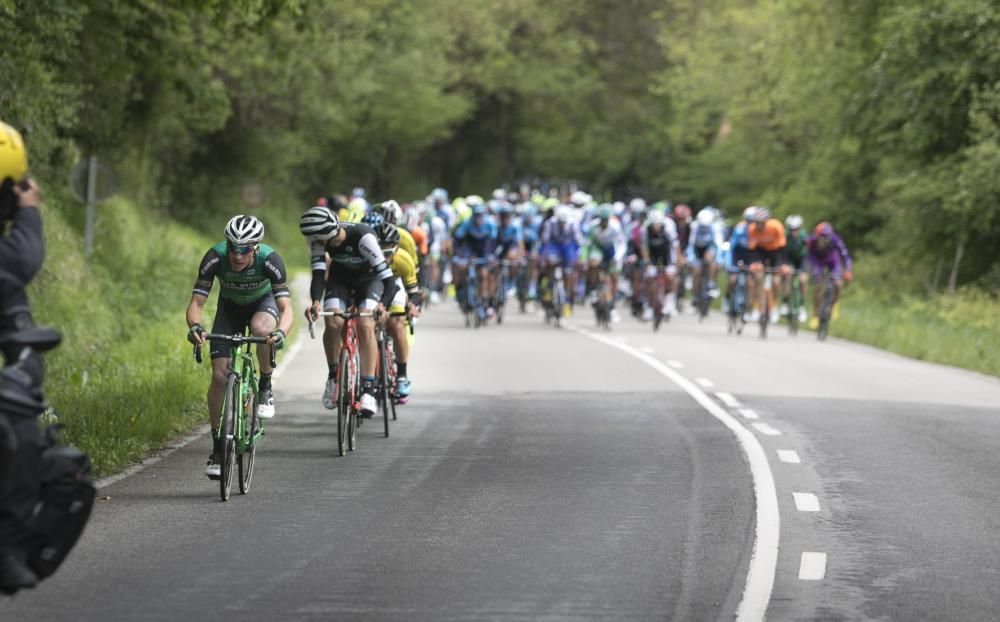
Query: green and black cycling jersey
x,y
795,246
265,275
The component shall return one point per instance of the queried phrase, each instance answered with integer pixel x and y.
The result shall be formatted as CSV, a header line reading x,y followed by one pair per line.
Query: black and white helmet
x,y
389,210
319,222
243,229
387,234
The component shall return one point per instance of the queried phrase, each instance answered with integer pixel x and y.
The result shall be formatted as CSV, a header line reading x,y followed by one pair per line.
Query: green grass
x,y
960,330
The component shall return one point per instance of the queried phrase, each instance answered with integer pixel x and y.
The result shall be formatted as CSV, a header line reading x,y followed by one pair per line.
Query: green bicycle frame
x,y
241,363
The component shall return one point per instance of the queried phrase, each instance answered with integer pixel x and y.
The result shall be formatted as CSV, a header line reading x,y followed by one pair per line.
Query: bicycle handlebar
x,y
340,314
236,340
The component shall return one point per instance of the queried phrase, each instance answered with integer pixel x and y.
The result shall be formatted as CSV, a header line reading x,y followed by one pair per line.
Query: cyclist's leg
x,y
262,324
367,294
396,327
712,268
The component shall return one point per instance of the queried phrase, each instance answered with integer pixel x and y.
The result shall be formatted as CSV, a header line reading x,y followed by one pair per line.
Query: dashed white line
x,y
787,455
806,502
705,383
764,555
812,567
764,428
728,399
675,364
748,413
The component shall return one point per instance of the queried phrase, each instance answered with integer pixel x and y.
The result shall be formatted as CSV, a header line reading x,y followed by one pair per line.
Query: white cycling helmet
x,y
564,213
706,217
763,214
579,198
637,205
499,194
319,222
794,221
656,217
243,229
750,213
390,211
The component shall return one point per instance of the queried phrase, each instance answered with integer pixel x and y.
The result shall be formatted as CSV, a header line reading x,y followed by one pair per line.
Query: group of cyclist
x,y
652,255
379,259
366,262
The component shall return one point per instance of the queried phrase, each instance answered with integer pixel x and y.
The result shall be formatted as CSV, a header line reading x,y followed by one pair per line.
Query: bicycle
x,y
657,299
703,301
522,282
348,379
765,299
795,302
557,297
503,282
385,389
472,303
239,403
825,307
738,302
602,302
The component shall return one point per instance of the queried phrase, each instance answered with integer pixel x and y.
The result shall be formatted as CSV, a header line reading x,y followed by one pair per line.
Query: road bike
x,y
239,426
522,282
385,388
795,302
702,300
766,298
473,306
738,301
825,306
602,301
348,379
657,299
502,285
554,298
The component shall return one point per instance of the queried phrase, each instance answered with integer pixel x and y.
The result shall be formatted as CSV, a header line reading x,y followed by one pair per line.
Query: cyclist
x,y
827,251
530,225
739,256
407,300
633,252
356,208
475,239
766,236
358,276
603,252
560,244
510,241
659,252
704,248
439,245
253,293
795,251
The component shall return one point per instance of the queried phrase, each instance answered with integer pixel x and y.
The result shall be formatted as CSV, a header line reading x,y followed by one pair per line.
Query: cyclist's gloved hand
x,y
196,335
277,338
848,276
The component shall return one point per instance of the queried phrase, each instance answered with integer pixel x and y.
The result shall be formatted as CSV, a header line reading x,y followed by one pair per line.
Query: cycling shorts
x,y
771,259
700,253
741,255
347,287
234,319
831,263
564,254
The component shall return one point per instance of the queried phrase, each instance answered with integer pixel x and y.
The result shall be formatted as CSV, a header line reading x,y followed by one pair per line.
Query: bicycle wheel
x,y
390,353
227,430
345,400
824,312
246,459
383,395
794,301
352,421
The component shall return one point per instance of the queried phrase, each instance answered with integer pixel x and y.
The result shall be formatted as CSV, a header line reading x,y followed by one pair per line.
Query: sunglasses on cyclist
x,y
245,249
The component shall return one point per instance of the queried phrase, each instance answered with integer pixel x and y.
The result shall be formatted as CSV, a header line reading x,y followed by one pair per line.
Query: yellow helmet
x,y
13,159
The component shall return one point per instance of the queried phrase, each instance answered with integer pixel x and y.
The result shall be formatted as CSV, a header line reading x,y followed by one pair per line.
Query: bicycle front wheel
x,y
384,397
246,459
227,432
345,400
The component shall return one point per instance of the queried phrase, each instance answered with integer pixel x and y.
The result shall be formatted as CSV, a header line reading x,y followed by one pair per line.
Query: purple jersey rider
x,y
825,250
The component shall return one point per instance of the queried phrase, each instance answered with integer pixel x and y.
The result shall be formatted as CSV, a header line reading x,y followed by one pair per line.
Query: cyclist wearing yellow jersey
x,y
404,268
392,214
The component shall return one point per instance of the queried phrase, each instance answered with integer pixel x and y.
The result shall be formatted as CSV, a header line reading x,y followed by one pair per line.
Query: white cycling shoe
x,y
368,405
214,468
265,410
330,394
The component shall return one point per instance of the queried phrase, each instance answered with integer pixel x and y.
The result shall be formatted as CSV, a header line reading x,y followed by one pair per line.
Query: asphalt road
x,y
541,473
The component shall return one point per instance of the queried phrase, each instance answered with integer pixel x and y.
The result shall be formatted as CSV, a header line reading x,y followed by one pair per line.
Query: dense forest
x,y
881,115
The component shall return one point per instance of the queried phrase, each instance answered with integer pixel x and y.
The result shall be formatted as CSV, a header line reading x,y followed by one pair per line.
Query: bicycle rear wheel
x,y
352,419
384,397
345,400
227,431
390,353
794,302
246,459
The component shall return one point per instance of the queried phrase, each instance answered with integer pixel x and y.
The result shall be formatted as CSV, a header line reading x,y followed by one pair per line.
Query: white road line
x,y
806,502
675,364
764,558
812,567
763,428
728,399
787,455
705,382
748,413
648,350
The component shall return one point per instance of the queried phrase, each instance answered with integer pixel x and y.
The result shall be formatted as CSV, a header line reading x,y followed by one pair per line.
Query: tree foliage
x,y
880,115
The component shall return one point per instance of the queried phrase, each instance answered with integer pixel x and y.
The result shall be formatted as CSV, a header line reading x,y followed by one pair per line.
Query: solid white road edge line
x,y
705,382
787,455
806,502
813,566
764,558
728,399
200,431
